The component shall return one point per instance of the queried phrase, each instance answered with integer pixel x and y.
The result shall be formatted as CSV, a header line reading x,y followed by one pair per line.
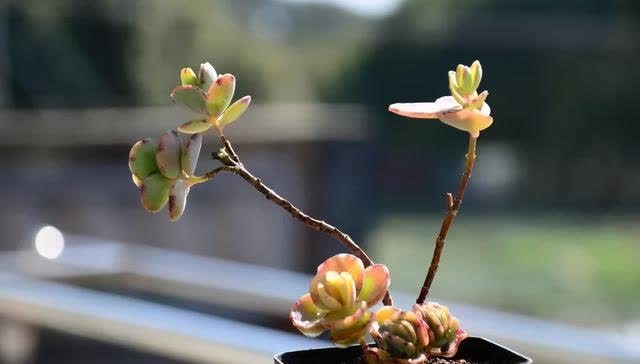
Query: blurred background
x,y
543,257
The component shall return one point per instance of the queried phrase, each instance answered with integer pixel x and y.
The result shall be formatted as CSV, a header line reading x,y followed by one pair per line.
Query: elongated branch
x,y
236,166
453,205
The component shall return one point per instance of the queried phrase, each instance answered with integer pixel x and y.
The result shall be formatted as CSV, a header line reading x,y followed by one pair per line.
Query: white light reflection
x,y
49,242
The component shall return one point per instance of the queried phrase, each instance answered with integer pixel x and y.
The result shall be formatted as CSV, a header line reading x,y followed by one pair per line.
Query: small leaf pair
x,y
209,95
163,171
339,297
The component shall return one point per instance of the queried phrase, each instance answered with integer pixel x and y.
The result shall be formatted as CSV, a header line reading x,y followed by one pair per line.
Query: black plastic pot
x,y
475,349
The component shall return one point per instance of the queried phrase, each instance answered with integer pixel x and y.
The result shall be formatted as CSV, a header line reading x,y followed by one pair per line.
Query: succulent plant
x,y
445,333
163,170
465,109
209,95
339,299
402,337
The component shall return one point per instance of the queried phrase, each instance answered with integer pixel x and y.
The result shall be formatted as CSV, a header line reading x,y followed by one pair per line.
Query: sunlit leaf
x,y
220,94
207,75
142,158
188,77
190,153
191,97
234,111
154,192
168,154
195,126
178,199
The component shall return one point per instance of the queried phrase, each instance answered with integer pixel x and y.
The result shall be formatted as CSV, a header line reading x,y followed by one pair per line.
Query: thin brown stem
x,y
453,205
319,225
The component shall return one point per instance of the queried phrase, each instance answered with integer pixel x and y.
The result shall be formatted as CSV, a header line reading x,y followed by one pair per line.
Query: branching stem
x,y
234,165
453,205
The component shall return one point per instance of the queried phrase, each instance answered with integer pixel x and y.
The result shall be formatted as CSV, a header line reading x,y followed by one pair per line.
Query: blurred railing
x,y
187,335
122,126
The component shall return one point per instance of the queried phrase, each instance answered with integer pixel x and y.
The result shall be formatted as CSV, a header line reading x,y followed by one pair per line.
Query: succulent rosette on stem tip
x,y
402,337
465,109
209,95
163,170
445,333
339,299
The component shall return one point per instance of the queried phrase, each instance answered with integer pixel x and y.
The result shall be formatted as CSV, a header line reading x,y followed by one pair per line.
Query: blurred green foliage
x,y
566,269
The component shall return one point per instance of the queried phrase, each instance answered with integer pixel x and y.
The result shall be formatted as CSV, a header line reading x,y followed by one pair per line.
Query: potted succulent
x,y
346,286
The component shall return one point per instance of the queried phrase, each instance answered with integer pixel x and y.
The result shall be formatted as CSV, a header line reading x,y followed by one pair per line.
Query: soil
x,y
448,361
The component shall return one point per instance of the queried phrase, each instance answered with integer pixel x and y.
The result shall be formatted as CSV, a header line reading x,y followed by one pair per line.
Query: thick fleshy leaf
x,y
426,110
137,181
476,73
142,158
324,298
352,334
385,313
219,95
347,317
191,97
195,126
190,153
469,120
188,77
178,199
375,284
344,263
154,192
207,75
168,154
326,293
307,317
234,111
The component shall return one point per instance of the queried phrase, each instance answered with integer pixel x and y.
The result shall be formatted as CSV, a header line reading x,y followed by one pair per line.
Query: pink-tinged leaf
x,y
325,291
191,97
453,346
469,120
344,263
154,192
195,126
168,154
307,317
142,158
352,334
425,110
178,199
207,75
220,94
234,111
375,284
347,317
190,152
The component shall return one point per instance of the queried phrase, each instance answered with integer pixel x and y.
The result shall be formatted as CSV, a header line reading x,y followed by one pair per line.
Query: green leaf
x,y
188,77
195,126
191,97
154,192
142,158
168,154
234,111
207,75
220,94
190,153
178,199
